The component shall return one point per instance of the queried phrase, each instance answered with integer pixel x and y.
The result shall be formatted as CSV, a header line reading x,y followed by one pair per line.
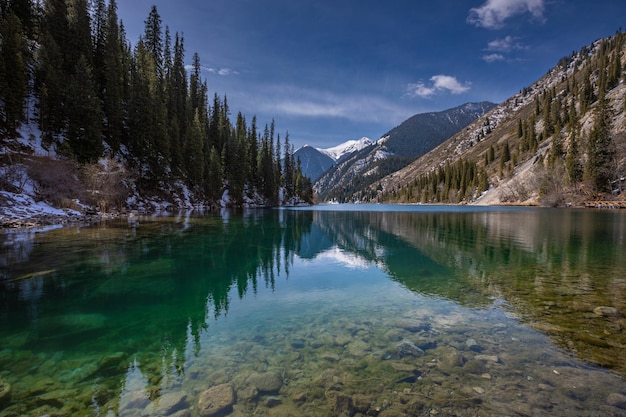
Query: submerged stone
x,y
408,348
5,392
216,401
604,311
297,343
473,345
167,404
266,382
617,400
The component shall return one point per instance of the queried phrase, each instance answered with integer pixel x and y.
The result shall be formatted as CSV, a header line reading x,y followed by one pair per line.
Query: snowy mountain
x,y
346,148
314,162
394,150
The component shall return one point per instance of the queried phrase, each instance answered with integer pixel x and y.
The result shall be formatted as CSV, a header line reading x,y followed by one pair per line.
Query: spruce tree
x,y
153,39
83,113
13,73
113,80
601,152
289,168
193,152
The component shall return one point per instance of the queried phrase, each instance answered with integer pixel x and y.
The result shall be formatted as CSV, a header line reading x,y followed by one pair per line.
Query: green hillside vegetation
x,y
560,141
67,67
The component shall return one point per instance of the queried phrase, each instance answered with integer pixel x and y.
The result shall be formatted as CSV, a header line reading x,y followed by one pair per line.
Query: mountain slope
x,y
313,161
394,150
558,142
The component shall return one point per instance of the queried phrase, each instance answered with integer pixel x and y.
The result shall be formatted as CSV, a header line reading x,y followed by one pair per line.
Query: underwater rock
x,y
487,358
134,399
216,401
414,326
266,382
604,311
408,348
327,378
330,357
617,400
362,402
297,343
357,348
5,392
339,402
167,404
452,358
272,401
181,413
473,345
342,340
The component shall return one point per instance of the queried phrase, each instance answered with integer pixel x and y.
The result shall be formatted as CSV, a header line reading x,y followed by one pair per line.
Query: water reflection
x,y
562,271
118,316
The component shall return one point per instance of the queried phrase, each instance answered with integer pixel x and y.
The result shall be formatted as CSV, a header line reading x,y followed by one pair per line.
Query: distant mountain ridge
x,y
394,150
315,161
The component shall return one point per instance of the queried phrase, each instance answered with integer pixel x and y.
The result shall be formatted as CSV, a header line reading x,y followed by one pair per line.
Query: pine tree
x,y
288,169
572,162
78,36
177,114
84,117
13,73
112,80
601,152
153,39
51,75
193,152
213,180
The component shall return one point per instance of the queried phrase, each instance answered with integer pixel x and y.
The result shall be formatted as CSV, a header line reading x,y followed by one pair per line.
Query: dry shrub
x,y
514,192
13,177
104,183
56,181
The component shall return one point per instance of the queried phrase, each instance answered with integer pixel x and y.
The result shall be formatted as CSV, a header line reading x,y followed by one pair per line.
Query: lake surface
x,y
326,311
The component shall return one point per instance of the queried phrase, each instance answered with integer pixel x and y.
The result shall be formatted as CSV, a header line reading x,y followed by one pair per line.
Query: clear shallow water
x,y
374,310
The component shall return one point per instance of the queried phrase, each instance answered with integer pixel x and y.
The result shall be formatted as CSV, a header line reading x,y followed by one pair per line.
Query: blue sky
x,y
330,71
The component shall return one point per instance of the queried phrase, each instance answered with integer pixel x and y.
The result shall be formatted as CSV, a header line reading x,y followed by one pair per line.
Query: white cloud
x,y
506,44
493,13
303,102
493,57
438,83
219,71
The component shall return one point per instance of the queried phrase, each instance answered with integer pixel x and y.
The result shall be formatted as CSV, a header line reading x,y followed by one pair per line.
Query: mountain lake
x,y
360,310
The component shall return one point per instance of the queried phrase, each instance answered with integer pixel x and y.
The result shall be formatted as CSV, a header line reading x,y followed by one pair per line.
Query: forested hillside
x,y
100,105
561,141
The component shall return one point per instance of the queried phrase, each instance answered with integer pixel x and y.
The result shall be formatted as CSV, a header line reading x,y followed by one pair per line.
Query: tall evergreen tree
x,y
194,162
13,72
79,35
601,162
84,117
112,79
288,169
153,39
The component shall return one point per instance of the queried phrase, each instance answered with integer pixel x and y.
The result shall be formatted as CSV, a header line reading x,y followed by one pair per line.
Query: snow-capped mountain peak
x,y
348,147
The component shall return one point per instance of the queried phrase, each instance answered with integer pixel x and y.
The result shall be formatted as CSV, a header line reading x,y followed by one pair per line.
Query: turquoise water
x,y
334,310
